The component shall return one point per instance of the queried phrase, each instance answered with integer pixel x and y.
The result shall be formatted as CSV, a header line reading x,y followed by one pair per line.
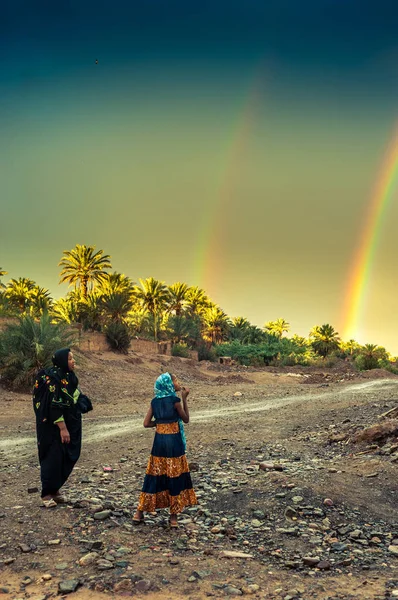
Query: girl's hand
x,y
185,392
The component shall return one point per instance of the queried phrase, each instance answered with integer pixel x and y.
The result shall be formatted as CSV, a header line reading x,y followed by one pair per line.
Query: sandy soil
x,y
289,417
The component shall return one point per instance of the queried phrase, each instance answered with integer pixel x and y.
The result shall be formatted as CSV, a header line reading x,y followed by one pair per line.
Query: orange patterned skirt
x,y
168,480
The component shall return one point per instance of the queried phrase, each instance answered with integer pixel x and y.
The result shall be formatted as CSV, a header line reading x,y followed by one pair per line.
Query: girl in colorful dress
x,y
167,481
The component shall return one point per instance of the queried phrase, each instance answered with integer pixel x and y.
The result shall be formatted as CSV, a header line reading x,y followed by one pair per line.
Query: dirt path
x,y
96,430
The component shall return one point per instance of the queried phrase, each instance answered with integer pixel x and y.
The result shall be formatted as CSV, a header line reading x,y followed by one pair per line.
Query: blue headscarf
x,y
164,387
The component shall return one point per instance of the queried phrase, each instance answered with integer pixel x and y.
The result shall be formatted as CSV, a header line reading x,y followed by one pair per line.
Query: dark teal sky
x,y
233,145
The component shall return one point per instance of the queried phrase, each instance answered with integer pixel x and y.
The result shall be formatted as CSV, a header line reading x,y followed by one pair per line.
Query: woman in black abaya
x,y
58,405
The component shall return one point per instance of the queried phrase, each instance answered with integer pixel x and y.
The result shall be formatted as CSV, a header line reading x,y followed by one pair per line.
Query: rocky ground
x,y
290,506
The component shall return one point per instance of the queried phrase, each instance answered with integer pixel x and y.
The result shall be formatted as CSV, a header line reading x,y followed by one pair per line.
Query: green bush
x,y
118,337
206,353
180,349
27,346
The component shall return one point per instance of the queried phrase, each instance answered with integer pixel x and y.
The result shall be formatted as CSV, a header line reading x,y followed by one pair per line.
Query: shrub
x,y
180,349
118,337
206,353
27,346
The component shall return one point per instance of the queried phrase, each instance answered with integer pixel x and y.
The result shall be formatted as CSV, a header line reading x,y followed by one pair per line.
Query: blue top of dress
x,y
164,410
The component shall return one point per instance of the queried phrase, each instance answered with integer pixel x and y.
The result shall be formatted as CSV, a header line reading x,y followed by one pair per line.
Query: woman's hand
x,y
65,437
185,392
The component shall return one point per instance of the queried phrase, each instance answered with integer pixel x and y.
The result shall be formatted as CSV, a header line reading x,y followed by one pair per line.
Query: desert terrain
x,y
291,505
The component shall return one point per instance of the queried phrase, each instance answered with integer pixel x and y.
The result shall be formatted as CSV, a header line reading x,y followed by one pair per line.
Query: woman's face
x,y
71,362
177,384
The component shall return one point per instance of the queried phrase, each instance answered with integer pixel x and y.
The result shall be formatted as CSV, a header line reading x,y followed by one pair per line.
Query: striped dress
x,y
167,481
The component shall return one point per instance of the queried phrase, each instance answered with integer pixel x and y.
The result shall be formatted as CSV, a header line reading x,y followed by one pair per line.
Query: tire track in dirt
x,y
95,431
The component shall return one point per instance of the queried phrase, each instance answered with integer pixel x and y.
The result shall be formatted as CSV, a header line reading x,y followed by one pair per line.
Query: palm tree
x,y
65,310
216,325
178,298
115,283
116,306
19,292
277,328
253,335
371,354
27,346
153,295
324,339
2,273
350,348
40,301
197,301
82,267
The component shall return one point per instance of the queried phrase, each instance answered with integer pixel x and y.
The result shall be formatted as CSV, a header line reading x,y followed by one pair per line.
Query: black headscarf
x,y
61,369
60,359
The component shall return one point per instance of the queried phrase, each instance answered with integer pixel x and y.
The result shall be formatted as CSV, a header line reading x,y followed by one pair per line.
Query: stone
x,y
104,565
143,585
297,499
328,502
33,490
88,559
323,565
393,550
193,467
290,513
125,585
311,561
264,466
68,586
25,548
232,591
53,542
253,588
233,554
102,515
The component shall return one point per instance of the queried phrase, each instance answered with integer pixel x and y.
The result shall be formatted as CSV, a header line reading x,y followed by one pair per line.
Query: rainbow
x,y
214,229
365,253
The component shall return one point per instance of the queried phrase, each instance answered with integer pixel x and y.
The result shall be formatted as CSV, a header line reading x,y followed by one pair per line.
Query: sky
x,y
231,145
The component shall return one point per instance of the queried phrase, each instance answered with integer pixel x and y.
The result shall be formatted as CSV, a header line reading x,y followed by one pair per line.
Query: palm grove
x,y
110,302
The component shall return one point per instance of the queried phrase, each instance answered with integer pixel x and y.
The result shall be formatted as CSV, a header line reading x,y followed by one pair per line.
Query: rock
x,y
290,513
193,467
297,499
26,581
53,542
394,594
232,591
46,577
144,585
68,586
237,394
233,554
393,550
33,490
264,466
253,588
311,561
125,585
323,565
356,534
88,559
4,590
328,502
102,515
25,548
104,565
